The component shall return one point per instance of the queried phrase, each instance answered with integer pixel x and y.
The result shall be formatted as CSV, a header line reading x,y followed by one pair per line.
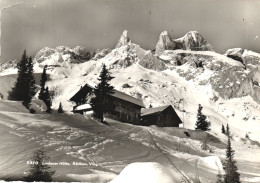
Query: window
x,y
137,116
115,113
124,116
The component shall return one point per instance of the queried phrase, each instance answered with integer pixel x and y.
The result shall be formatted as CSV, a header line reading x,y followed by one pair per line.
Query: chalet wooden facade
x,y
164,116
128,109
125,108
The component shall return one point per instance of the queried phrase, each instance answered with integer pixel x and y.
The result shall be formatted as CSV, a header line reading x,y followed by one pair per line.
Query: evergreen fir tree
x,y
228,131
223,129
32,81
39,171
231,174
24,88
47,99
44,94
42,82
100,103
202,123
60,109
18,92
29,84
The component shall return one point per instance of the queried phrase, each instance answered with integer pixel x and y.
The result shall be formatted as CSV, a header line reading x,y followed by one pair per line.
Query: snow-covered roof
x,y
127,97
83,107
148,111
82,93
87,88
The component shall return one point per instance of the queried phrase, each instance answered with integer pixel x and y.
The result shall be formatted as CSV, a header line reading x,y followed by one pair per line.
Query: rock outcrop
x,y
124,39
235,53
126,53
192,41
56,56
101,53
149,61
249,59
165,43
7,65
228,77
122,57
43,54
232,83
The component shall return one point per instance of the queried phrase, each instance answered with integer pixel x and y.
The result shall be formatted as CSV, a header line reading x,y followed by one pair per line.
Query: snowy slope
x,y
105,150
148,172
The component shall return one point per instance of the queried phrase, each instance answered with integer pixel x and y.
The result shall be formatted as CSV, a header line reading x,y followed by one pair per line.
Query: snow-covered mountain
x,y
183,72
178,73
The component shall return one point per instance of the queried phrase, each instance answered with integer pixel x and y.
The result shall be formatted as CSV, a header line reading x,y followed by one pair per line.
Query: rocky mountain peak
x,y
59,55
124,39
235,53
193,41
165,43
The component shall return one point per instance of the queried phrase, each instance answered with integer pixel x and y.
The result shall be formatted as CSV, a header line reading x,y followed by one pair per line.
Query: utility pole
x,y
197,178
183,112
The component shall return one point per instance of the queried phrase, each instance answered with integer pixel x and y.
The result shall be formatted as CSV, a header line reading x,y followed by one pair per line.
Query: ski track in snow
x,y
93,144
164,153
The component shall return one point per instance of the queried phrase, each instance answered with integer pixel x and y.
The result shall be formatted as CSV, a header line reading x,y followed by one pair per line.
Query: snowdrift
x,y
211,162
148,172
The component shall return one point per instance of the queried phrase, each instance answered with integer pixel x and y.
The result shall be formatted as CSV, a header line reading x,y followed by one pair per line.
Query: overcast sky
x,y
94,24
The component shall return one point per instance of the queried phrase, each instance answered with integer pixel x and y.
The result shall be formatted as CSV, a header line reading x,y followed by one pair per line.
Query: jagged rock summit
x,y
60,55
165,43
126,53
235,53
124,39
191,41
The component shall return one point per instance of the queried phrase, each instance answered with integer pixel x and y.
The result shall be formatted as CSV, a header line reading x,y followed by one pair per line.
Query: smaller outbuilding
x,y
164,116
81,96
83,109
